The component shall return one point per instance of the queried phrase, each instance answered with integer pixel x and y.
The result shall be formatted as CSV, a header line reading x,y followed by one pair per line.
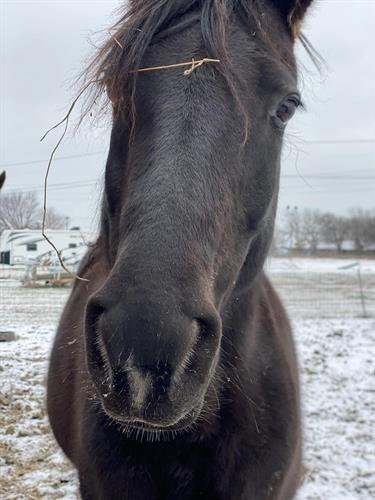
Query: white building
x,y
27,246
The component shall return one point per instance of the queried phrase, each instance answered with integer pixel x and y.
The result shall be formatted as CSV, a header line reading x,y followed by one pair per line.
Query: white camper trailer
x,y
27,246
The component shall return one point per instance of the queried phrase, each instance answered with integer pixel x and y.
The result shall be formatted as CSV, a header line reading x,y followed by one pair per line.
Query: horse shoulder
x,y
68,378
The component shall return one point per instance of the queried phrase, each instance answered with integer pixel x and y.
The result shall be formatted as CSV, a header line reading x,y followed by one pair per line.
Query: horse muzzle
x,y
150,363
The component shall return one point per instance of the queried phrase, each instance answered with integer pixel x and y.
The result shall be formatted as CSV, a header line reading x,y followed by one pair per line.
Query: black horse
x,y
173,374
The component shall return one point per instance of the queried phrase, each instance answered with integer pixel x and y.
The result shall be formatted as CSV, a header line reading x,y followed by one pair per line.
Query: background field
x,y
335,350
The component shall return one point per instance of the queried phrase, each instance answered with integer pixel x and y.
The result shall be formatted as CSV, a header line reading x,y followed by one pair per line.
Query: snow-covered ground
x,y
318,264
337,371
338,392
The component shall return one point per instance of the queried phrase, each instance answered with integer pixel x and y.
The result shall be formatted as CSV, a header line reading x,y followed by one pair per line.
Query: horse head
x,y
191,187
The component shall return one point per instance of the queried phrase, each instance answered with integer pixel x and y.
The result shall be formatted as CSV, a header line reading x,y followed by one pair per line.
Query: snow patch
x,y
338,393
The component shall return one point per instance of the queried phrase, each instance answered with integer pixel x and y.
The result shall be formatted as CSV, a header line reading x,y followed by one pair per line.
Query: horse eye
x,y
286,110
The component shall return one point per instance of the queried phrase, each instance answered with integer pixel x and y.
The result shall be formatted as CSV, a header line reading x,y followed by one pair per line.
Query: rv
x,y
28,247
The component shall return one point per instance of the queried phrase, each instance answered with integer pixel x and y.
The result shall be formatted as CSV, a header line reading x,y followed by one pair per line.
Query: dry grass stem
x,y
65,120
193,65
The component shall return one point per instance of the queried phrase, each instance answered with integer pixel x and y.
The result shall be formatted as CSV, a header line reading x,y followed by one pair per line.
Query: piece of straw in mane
x,y
114,67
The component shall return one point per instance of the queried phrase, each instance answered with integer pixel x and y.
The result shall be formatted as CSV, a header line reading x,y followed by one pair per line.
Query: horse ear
x,y
293,11
2,179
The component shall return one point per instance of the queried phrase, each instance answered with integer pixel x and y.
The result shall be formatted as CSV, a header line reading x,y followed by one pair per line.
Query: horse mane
x,y
113,69
112,73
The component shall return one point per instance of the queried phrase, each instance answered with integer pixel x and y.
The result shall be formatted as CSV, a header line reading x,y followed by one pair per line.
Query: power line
x,y
328,176
55,187
58,158
95,153
319,191
340,141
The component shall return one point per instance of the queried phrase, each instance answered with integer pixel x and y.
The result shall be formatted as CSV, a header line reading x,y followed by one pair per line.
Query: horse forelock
x,y
113,69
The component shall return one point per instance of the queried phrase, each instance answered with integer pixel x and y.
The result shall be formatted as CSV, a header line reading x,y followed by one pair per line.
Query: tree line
x,y
310,230
23,210
300,230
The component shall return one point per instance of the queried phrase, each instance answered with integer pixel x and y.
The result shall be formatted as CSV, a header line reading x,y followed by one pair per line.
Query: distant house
x,y
27,246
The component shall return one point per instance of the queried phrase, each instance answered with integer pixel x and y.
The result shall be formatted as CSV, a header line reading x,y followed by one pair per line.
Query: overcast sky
x,y
44,44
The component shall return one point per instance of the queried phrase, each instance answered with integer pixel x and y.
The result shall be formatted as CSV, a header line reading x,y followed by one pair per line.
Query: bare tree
x,y
54,220
301,229
311,228
20,210
293,228
305,229
280,240
362,228
370,228
334,229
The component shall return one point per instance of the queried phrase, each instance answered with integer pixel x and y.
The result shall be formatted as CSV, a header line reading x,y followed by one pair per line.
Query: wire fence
x,y
326,295
305,295
21,305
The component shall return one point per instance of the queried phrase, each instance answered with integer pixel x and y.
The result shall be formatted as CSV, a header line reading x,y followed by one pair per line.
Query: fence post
x,y
362,293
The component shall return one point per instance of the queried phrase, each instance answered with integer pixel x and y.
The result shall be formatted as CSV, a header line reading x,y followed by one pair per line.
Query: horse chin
x,y
140,428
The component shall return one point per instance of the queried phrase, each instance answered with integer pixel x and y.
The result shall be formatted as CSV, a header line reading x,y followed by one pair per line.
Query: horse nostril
x,y
208,329
95,349
93,311
204,349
